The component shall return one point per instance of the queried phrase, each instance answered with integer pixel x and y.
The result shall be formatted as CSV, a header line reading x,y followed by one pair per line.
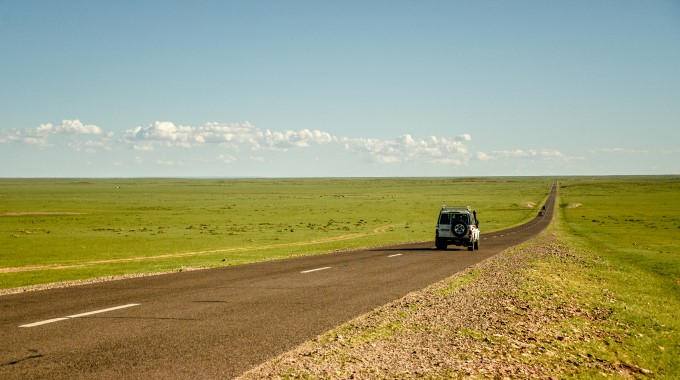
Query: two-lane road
x,y
217,323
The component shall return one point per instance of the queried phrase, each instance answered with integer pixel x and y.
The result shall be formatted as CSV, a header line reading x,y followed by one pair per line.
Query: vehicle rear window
x,y
461,218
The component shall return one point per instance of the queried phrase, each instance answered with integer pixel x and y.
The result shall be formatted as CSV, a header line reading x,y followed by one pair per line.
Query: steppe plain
x,y
54,230
596,295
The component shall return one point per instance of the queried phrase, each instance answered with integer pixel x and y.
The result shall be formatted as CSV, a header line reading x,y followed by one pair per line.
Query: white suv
x,y
457,226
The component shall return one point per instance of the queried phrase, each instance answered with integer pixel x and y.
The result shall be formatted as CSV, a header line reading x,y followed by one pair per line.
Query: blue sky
x,y
339,88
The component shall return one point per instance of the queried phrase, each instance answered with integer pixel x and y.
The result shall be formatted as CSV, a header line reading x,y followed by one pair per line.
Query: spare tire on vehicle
x,y
459,229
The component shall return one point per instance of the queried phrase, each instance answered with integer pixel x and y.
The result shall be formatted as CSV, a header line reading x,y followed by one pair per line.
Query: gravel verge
x,y
88,281
485,322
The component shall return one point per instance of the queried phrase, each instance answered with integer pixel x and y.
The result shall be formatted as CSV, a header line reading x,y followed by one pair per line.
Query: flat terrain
x,y
590,297
218,322
55,230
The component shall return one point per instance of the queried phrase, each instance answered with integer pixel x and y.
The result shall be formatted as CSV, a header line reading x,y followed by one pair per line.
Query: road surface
x,y
218,323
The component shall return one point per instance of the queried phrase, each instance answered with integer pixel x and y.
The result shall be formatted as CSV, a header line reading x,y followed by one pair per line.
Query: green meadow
x,y
68,229
627,233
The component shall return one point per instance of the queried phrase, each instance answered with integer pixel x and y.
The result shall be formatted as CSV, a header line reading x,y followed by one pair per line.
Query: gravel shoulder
x,y
492,320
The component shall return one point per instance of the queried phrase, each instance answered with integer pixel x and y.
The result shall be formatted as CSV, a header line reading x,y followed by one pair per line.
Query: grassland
x,y
629,229
596,295
600,299
69,229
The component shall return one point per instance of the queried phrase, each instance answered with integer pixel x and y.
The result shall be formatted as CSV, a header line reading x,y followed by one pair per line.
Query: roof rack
x,y
456,208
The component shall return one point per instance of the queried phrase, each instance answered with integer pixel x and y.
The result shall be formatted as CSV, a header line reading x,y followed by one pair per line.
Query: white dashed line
x,y
395,255
315,270
78,315
44,322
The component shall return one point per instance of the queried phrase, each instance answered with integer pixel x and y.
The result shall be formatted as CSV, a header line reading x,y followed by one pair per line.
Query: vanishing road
x,y
217,323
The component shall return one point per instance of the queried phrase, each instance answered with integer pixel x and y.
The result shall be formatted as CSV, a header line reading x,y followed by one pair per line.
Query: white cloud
x,y
73,129
227,133
69,127
530,154
292,139
238,136
161,131
236,142
89,146
37,141
517,153
227,158
483,156
143,146
438,150
623,150
552,154
464,137
14,136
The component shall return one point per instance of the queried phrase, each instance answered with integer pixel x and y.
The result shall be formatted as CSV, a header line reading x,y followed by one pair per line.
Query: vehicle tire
x,y
476,246
440,245
459,229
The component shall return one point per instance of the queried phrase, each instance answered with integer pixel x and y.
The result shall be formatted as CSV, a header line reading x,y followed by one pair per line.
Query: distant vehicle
x,y
457,226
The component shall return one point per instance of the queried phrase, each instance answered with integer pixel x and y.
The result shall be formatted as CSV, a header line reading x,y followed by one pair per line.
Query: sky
x,y
339,88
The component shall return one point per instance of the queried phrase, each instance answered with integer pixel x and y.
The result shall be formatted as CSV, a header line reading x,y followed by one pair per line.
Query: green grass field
x,y
67,229
628,230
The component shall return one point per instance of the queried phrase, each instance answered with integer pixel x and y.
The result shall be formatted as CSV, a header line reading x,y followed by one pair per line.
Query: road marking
x,y
395,255
79,315
44,322
315,270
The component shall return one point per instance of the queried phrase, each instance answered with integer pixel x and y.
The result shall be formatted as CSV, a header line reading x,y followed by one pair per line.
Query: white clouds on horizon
x,y
238,142
521,157
623,150
164,133
524,154
436,150
240,137
40,135
281,141
70,127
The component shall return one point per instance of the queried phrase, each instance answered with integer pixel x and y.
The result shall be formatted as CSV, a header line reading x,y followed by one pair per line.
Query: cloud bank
x,y
40,136
432,150
162,142
84,137
247,137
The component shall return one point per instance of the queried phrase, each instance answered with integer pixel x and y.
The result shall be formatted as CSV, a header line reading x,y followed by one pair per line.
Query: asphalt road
x,y
218,323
